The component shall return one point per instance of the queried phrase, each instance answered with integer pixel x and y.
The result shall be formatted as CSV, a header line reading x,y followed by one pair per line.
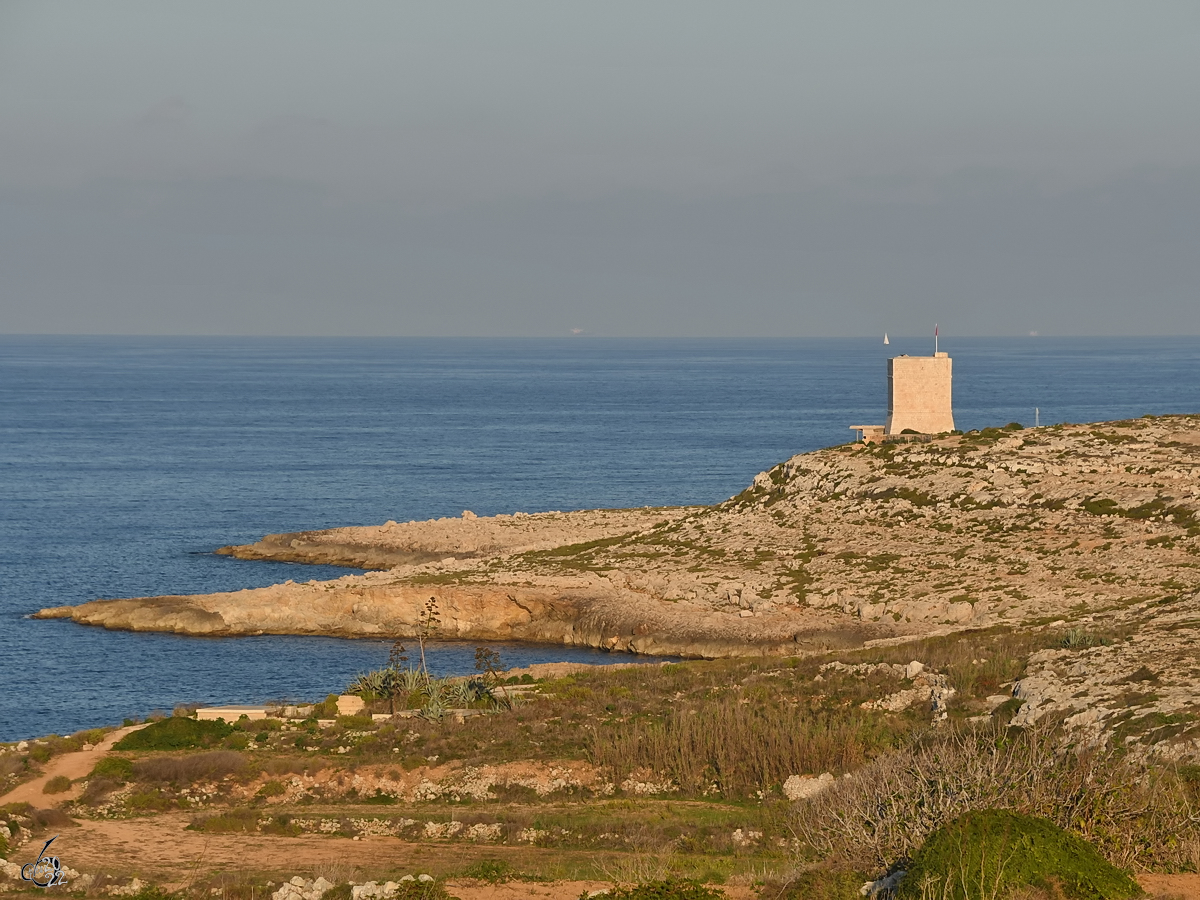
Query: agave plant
x,y
368,684
435,699
461,694
434,711
435,691
378,684
411,679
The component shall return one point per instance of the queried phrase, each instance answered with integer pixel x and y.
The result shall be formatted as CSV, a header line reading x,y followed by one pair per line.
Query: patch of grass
x,y
992,852
229,821
149,800
1153,727
739,748
496,871
118,768
913,496
356,723
154,892
670,889
1111,438
187,769
1080,638
582,556
175,733
818,884
1158,508
272,788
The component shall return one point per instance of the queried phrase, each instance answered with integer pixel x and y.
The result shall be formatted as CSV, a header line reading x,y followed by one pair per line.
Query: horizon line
x,y
578,336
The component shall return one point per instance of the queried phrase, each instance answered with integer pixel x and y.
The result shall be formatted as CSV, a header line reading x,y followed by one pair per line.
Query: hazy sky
x,y
624,168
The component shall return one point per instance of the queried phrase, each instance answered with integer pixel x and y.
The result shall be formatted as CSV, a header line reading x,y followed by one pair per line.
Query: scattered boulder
x,y
802,787
302,889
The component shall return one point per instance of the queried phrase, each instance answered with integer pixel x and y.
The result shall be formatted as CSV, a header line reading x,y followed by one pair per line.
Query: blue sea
x,y
124,462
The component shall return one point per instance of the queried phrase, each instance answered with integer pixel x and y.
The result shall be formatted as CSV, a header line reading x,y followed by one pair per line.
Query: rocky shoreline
x,y
830,549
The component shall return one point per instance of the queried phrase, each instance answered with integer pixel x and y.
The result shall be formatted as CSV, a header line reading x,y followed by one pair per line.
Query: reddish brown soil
x,y
72,765
1183,887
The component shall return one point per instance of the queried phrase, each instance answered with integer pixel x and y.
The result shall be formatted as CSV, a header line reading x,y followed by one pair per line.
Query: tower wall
x,y
919,394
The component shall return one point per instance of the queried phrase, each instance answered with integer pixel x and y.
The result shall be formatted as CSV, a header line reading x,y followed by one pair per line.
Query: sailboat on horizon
x,y
885,340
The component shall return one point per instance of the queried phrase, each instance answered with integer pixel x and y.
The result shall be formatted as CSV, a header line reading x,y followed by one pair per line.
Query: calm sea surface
x,y
125,461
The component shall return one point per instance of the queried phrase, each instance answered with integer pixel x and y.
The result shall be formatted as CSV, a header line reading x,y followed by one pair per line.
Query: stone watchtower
x,y
919,394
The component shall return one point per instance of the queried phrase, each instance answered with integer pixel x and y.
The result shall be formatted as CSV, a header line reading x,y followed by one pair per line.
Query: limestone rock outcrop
x,y
831,549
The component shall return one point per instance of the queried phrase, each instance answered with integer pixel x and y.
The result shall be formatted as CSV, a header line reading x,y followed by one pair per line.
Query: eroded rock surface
x,y
470,537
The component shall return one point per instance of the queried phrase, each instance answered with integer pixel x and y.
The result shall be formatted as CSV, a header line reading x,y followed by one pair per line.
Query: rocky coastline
x,y
832,549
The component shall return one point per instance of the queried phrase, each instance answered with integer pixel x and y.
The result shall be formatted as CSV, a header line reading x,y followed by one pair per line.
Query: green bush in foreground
x,y
990,853
671,889
175,733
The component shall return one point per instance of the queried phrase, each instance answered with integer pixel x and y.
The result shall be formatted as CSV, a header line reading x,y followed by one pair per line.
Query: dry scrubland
x,y
1045,579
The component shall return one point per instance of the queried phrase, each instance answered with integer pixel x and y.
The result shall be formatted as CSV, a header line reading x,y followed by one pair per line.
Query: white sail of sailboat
x,y
885,340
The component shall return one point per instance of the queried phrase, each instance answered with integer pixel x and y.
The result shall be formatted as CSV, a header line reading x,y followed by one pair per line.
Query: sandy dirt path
x,y
1185,886
72,765
159,848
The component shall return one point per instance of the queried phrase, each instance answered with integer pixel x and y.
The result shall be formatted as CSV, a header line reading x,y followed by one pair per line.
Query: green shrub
x,y
239,740
281,825
229,821
493,871
115,767
272,788
99,787
355,723
820,884
57,785
3,842
421,890
154,892
670,889
327,709
992,852
40,752
149,799
175,733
